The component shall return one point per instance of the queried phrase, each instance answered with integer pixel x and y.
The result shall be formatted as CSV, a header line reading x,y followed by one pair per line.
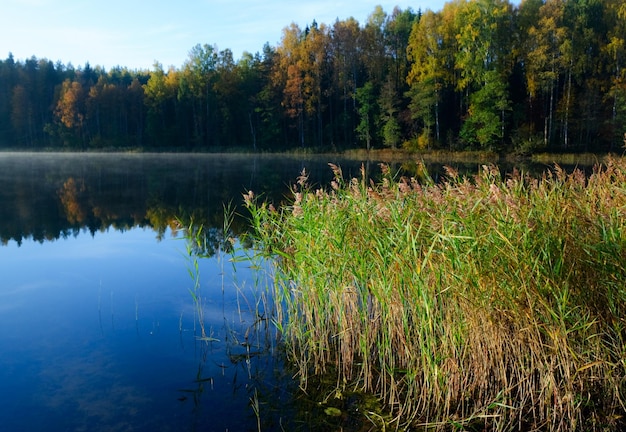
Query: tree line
x,y
481,74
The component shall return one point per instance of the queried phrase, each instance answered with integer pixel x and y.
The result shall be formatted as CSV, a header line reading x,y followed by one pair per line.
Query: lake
x,y
98,326
98,329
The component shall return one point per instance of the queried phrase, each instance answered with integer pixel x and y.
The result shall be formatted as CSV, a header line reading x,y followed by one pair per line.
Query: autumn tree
x,y
544,61
428,73
289,72
303,67
70,113
160,96
317,85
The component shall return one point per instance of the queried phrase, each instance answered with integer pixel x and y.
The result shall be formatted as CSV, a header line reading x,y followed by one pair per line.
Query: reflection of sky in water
x,y
90,337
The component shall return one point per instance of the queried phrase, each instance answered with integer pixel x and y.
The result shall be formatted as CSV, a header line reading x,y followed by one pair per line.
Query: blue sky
x,y
135,33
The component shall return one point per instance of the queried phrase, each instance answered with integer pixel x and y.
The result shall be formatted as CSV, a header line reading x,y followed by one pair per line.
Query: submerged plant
x,y
485,302
246,338
202,243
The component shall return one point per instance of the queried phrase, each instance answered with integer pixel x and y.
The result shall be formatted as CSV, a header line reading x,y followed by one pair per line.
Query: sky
x,y
136,33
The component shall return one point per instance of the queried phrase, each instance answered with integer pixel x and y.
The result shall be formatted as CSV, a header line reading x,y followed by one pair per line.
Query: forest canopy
x,y
482,74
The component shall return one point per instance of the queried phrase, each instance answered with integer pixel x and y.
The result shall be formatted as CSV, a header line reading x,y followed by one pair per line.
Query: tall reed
x,y
486,302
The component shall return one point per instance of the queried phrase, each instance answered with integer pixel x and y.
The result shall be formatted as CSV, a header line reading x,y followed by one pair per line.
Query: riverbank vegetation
x,y
484,302
481,75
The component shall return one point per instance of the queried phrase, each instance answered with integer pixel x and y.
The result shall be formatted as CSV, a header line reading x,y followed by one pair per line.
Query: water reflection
x,y
100,333
98,330
52,196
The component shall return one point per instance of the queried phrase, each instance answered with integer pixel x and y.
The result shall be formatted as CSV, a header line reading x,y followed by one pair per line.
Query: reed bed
x,y
482,302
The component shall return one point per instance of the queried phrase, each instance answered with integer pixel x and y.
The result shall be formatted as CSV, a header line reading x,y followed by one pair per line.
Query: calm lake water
x,y
98,329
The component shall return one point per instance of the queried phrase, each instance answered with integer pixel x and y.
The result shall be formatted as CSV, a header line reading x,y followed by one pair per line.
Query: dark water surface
x,y
98,330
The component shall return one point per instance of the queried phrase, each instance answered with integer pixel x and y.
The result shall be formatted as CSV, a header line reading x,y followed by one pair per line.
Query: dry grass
x,y
476,303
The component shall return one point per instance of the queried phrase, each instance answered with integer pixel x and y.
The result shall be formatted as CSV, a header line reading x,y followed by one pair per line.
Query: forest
x,y
476,75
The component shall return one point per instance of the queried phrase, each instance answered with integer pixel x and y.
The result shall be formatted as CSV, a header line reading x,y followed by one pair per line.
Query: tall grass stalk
x,y
248,340
487,302
200,244
195,241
